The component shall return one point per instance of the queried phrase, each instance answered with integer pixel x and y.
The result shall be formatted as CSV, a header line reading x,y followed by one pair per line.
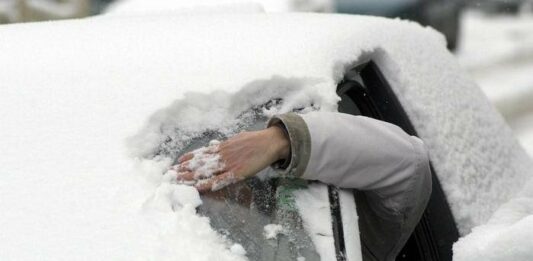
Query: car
x,y
15,11
442,15
97,112
502,7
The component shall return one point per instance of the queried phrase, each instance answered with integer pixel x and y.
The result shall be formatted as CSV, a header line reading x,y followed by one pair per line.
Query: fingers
x,y
185,176
183,167
202,163
214,148
205,169
217,182
190,176
185,157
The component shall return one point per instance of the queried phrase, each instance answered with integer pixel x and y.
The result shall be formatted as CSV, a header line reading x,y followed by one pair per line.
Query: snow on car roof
x,y
85,101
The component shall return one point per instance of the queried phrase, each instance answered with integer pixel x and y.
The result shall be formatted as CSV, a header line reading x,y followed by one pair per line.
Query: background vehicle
x,y
502,7
440,14
17,11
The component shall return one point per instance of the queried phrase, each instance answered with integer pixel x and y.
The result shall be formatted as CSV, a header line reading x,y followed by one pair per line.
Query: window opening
x,y
365,91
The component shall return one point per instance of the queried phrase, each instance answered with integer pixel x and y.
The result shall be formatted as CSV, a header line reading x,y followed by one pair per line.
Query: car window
x,y
242,211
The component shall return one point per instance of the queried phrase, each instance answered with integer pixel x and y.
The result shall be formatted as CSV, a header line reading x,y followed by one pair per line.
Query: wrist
x,y
280,143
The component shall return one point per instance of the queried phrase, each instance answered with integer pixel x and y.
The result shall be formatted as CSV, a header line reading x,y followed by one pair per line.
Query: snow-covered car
x,y
95,113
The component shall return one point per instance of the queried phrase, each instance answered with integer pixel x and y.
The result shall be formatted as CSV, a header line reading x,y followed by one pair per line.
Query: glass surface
x,y
241,211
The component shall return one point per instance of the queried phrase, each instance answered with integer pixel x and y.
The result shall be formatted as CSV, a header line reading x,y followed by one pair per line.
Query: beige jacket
x,y
388,168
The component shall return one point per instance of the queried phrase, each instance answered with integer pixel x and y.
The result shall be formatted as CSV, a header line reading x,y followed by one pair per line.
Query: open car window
x,y
365,91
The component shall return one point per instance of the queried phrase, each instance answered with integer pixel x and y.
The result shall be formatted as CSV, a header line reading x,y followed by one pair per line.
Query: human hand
x,y
242,156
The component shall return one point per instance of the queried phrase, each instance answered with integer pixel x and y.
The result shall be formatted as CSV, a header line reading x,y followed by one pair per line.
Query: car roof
x,y
85,104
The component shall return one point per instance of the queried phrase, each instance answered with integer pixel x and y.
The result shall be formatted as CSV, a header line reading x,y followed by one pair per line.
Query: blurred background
x,y
492,39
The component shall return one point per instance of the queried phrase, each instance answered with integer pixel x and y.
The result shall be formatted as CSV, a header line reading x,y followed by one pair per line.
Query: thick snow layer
x,y
507,236
503,70
94,116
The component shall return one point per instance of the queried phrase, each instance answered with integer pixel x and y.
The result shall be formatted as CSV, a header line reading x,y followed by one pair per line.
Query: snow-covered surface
x,y
272,231
313,204
238,250
507,236
502,68
498,53
352,240
82,121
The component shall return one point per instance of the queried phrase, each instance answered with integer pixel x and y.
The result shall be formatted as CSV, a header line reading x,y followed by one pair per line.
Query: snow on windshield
x,y
88,109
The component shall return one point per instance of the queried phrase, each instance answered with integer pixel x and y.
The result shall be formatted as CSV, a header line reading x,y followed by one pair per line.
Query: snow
x,y
90,125
352,240
313,204
238,250
503,70
204,164
272,231
507,236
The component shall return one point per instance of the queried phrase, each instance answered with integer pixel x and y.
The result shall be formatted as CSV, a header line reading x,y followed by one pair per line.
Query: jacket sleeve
x,y
351,151
379,159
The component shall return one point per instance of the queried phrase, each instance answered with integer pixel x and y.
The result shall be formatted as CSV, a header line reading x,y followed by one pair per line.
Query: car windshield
x,y
240,212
